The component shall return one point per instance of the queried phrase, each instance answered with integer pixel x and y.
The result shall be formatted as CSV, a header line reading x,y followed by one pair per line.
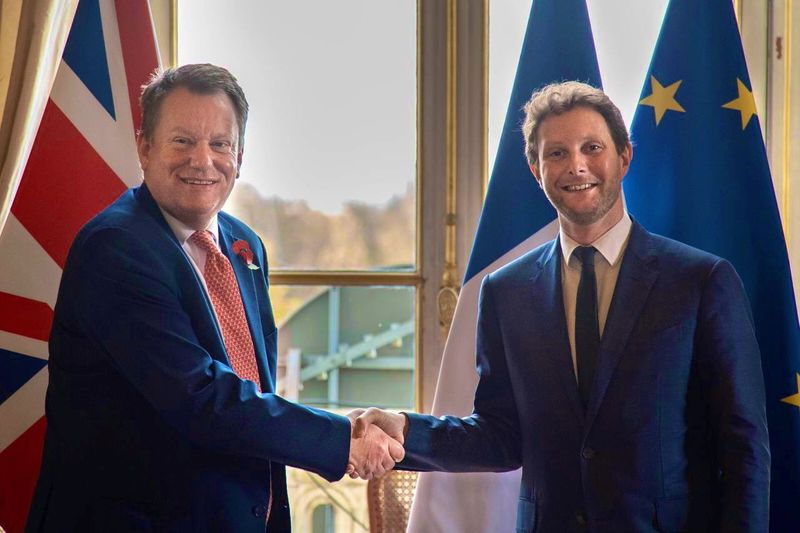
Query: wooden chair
x,y
389,501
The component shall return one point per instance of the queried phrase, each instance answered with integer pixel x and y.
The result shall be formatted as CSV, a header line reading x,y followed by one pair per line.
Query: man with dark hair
x,y
161,407
618,368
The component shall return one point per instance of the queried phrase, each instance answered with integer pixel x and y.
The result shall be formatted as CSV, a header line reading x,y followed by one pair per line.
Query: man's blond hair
x,y
558,98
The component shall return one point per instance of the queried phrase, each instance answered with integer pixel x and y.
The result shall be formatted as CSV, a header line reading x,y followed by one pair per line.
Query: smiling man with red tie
x,y
161,407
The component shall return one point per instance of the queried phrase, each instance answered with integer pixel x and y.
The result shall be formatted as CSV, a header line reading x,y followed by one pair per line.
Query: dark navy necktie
x,y
587,328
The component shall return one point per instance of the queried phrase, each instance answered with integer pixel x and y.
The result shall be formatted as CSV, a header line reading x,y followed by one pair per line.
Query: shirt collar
x,y
183,232
610,244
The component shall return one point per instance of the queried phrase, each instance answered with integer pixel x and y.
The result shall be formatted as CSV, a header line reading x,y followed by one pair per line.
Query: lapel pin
x,y
242,249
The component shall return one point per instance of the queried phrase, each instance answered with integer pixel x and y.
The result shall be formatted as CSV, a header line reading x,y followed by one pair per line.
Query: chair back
x,y
389,501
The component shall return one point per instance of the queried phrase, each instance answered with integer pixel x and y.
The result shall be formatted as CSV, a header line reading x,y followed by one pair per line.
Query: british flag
x,y
84,156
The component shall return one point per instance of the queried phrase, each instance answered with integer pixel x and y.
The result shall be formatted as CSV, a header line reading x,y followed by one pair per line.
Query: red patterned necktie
x,y
227,301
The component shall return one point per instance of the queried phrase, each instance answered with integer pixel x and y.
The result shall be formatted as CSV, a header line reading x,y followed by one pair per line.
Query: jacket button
x,y
260,511
588,454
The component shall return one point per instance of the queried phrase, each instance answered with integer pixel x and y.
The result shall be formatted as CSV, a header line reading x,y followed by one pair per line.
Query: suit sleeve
x,y
488,439
730,364
115,290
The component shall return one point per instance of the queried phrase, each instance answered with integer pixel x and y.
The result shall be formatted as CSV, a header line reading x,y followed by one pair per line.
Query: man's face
x,y
191,162
580,170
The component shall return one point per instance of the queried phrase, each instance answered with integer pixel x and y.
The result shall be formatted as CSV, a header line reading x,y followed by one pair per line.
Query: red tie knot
x,y
205,240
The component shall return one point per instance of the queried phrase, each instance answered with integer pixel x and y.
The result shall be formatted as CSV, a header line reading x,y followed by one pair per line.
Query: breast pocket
x,y
661,335
526,516
666,350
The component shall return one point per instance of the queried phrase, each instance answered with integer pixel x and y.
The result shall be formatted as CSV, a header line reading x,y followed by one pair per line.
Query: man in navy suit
x,y
150,428
618,368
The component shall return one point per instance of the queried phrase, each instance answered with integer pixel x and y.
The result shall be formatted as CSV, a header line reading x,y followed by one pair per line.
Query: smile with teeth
x,y
192,181
579,187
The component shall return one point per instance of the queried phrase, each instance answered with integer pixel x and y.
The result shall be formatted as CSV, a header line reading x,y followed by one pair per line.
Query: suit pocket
x,y
661,335
526,516
672,514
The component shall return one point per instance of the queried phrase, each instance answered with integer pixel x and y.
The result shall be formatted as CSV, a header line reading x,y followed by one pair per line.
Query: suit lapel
x,y
211,335
247,288
212,338
638,272
550,323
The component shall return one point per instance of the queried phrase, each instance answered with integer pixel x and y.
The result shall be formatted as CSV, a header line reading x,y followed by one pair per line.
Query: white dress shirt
x,y
197,256
611,247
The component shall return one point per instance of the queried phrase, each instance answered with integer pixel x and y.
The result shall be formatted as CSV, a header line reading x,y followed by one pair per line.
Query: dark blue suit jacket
x,y
674,437
149,429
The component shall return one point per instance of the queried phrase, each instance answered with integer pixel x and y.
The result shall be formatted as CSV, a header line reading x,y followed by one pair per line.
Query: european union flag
x,y
700,175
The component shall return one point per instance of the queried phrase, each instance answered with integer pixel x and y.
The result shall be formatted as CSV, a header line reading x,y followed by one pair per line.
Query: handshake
x,y
376,442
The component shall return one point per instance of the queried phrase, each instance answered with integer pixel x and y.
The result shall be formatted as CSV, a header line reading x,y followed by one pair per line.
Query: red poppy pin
x,y
242,249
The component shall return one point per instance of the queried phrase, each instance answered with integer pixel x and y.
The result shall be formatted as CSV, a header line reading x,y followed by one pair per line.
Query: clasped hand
x,y
376,442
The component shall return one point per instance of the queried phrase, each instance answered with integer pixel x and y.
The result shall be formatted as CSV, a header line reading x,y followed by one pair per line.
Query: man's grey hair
x,y
200,79
558,98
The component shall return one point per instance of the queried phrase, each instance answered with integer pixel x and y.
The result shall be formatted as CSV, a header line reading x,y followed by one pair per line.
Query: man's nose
x,y
577,163
202,156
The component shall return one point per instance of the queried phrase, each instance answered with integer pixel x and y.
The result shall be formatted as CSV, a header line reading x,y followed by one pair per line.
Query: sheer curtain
x,y
32,37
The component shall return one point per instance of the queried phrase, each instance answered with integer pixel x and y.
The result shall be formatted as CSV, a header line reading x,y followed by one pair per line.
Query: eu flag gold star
x,y
745,103
662,99
794,399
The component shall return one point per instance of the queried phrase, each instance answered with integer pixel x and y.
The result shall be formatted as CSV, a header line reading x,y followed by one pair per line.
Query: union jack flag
x,y
83,158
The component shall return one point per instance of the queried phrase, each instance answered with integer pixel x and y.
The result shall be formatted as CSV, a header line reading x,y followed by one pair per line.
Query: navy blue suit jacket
x,y
674,437
149,429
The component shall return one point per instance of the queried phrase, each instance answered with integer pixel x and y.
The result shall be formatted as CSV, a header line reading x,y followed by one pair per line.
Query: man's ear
x,y
536,174
239,162
627,157
143,149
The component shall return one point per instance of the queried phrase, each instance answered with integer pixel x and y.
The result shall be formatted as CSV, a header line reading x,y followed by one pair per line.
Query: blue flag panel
x,y
85,53
15,370
558,46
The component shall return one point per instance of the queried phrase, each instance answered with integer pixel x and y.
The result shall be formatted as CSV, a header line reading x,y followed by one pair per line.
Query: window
x,y
348,346
322,519
329,182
